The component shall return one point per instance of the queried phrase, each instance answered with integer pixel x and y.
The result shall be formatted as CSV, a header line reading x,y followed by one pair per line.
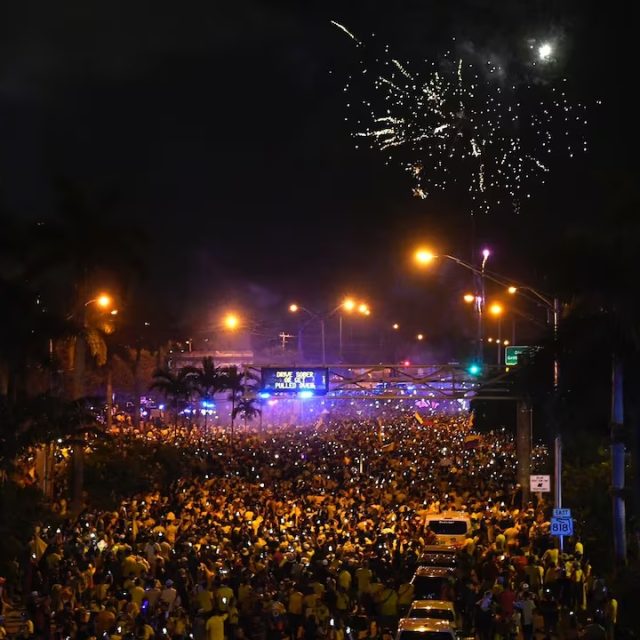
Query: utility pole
x,y
523,447
617,463
557,443
300,347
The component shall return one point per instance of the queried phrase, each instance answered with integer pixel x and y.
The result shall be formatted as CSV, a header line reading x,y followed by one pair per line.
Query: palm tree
x,y
233,382
71,254
247,409
237,383
74,252
174,387
208,380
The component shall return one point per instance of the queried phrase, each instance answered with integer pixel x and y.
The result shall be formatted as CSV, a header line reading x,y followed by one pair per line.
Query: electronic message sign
x,y
295,380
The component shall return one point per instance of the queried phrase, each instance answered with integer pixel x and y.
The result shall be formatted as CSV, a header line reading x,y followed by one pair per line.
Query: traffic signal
x,y
474,369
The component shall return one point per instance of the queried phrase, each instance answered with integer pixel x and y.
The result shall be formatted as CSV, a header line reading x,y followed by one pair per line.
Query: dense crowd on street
x,y
309,534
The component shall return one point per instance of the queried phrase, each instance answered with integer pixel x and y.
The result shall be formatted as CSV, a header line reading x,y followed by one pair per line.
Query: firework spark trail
x,y
457,122
402,70
343,28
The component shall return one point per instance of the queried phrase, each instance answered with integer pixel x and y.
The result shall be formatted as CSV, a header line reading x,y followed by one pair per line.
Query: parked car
x,y
437,555
433,583
433,610
416,629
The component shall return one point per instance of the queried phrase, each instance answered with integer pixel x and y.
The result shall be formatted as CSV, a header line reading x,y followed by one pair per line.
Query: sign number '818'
x,y
561,527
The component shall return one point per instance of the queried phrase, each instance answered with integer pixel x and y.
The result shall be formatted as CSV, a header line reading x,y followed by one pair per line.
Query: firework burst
x,y
455,122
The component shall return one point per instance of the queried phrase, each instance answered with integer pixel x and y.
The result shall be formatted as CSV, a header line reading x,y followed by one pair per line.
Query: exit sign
x,y
512,354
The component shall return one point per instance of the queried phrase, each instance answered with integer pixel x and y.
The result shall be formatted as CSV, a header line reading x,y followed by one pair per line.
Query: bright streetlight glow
x,y
496,309
489,339
505,342
424,256
231,321
420,336
349,304
486,253
512,290
395,326
103,300
469,298
363,308
293,308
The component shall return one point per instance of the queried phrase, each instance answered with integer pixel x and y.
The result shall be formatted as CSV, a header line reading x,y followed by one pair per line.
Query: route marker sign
x,y
561,527
562,513
540,484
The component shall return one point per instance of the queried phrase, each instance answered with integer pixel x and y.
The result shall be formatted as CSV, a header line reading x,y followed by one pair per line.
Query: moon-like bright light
x,y
545,50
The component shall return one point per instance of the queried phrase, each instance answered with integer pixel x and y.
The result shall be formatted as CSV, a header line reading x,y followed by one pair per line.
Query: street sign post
x,y
561,527
512,354
540,484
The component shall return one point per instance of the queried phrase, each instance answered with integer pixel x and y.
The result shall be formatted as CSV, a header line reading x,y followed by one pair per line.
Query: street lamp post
x,y
103,301
348,304
480,302
496,310
425,257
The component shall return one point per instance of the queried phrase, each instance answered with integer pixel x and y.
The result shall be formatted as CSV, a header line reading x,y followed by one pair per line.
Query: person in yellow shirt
x,y
224,597
387,605
246,598
172,531
405,597
215,626
295,607
344,579
318,588
204,599
343,602
323,614
363,579
137,592
610,616
375,588
178,623
551,556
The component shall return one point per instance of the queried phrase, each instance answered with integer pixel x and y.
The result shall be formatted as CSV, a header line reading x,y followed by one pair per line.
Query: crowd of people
x,y
309,534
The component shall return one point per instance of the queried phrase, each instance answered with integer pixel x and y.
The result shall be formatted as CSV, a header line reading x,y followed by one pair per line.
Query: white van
x,y
450,527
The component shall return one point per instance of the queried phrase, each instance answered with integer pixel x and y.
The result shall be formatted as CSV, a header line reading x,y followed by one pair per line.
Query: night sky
x,y
220,128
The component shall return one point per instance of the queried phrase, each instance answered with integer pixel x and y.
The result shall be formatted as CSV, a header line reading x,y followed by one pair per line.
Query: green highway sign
x,y
511,354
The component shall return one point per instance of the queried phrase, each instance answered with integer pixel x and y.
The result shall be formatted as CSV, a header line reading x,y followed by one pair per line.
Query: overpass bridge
x,y
441,382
